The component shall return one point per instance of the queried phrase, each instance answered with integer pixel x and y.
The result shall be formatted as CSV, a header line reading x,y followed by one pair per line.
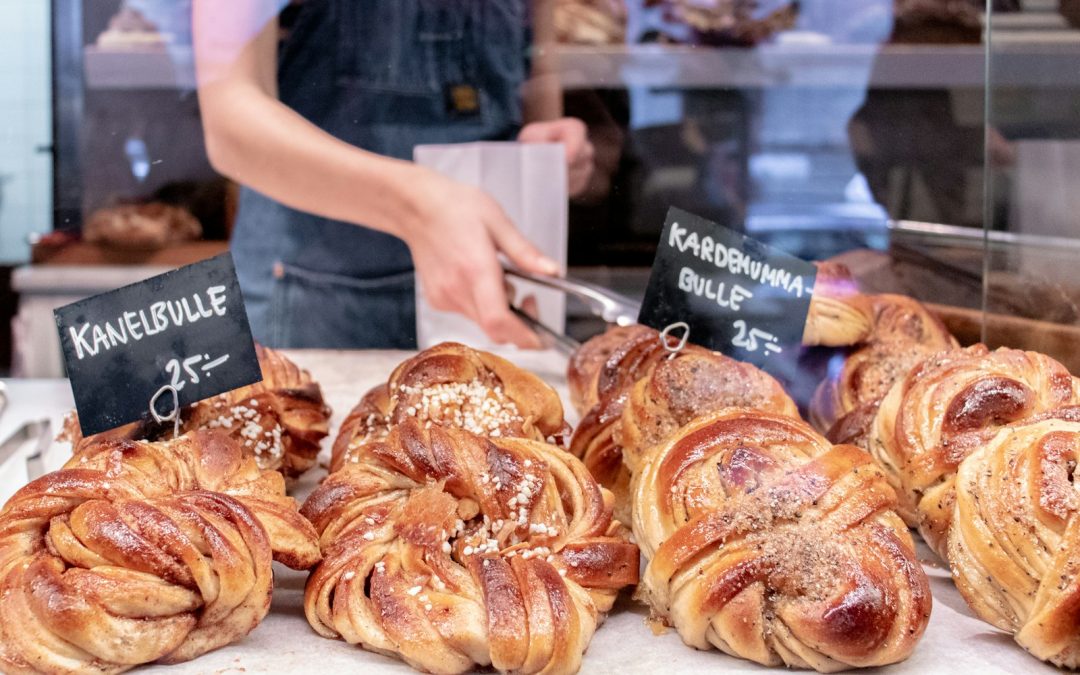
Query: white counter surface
x,y
955,642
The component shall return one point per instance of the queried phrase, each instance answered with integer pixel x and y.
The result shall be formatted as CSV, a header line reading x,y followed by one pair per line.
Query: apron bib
x,y
385,76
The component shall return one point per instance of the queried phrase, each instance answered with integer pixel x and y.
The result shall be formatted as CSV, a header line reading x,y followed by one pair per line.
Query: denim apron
x,y
385,76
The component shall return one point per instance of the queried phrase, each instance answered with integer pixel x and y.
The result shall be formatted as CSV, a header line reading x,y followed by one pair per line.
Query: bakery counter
x,y
954,641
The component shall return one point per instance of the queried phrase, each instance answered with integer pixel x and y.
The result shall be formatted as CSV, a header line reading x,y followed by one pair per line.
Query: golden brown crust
x,y
866,376
368,421
645,394
595,438
281,420
452,551
839,314
903,333
948,406
677,391
1014,549
898,317
456,386
595,442
586,363
138,551
768,543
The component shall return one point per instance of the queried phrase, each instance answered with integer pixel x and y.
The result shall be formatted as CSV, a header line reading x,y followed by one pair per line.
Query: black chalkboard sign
x,y
739,296
186,328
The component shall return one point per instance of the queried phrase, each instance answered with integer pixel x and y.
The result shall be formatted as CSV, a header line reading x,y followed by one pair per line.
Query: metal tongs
x,y
602,302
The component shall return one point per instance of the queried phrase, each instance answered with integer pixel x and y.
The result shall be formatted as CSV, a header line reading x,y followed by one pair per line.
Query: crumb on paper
x,y
657,625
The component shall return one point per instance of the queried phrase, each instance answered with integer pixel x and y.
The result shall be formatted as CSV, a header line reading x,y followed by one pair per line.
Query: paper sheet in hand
x,y
529,182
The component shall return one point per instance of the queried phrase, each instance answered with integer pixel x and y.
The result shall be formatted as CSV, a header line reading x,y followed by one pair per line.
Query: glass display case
x,y
860,130
127,117
887,135
850,473
1032,231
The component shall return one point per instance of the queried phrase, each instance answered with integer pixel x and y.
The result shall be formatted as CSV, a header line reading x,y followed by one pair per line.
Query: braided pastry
x,y
138,552
367,422
1015,546
583,372
280,420
678,390
903,334
453,385
898,317
595,438
668,393
451,551
943,409
839,315
770,544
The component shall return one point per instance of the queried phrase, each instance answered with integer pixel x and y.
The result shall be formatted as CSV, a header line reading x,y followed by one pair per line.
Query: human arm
x,y
454,231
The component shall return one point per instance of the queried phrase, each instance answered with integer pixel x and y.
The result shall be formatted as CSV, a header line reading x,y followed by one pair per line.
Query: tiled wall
x,y
25,126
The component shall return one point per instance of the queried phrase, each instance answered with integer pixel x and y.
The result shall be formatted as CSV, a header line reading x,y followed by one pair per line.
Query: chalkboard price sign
x,y
739,296
186,328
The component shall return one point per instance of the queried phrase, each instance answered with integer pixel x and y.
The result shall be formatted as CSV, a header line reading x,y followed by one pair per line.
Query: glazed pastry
x,y
898,317
839,315
626,363
452,551
903,334
367,422
454,386
595,438
139,552
668,393
944,409
1015,546
678,390
766,542
586,364
281,420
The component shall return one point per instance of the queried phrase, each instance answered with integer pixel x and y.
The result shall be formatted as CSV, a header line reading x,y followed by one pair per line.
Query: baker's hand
x,y
454,236
574,136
